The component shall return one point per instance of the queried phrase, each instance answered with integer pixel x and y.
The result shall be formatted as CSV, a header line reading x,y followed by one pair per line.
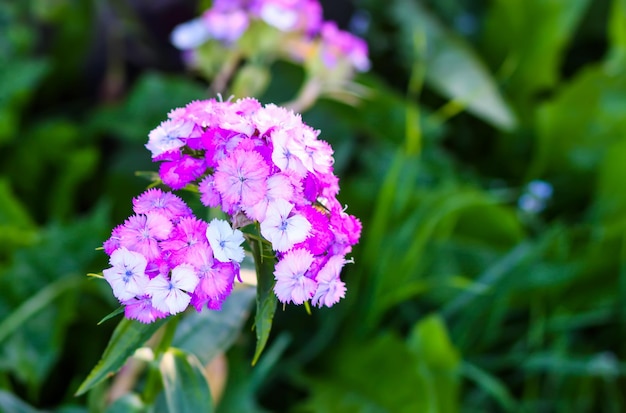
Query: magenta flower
x,y
216,280
181,170
188,234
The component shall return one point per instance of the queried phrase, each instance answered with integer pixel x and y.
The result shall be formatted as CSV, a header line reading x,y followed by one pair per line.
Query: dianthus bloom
x,y
260,165
300,23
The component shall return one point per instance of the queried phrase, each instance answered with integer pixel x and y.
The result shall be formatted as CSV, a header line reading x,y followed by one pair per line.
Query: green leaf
x,y
439,362
128,336
18,81
35,304
617,32
17,228
429,339
266,300
11,403
452,67
207,333
529,38
491,385
575,128
378,375
185,386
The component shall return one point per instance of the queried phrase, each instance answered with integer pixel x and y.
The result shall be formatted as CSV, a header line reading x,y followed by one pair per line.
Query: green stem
x,y
153,382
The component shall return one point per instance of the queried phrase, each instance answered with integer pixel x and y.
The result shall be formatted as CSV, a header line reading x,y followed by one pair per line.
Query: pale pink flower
x,y
292,284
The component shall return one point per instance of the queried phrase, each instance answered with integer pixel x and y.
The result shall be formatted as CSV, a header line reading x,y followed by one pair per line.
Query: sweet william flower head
x,y
262,166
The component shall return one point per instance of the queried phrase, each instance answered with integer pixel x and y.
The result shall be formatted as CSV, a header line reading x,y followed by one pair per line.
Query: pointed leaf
x,y
128,336
185,386
266,299
452,67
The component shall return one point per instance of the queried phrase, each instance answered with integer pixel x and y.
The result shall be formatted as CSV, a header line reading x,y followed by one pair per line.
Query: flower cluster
x,y
163,258
227,21
258,164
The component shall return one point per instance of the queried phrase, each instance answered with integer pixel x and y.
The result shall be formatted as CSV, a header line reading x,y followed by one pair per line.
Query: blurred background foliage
x,y
464,296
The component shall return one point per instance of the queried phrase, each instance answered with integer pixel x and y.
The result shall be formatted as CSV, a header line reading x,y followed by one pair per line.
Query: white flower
x,y
167,136
127,275
170,296
282,230
191,34
225,241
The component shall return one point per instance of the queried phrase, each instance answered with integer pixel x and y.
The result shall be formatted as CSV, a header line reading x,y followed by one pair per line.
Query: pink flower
x,y
216,280
240,178
292,284
338,44
141,309
330,289
226,25
142,233
166,203
187,234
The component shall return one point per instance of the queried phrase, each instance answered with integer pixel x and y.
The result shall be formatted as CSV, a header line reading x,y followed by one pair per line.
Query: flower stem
x,y
153,381
266,299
